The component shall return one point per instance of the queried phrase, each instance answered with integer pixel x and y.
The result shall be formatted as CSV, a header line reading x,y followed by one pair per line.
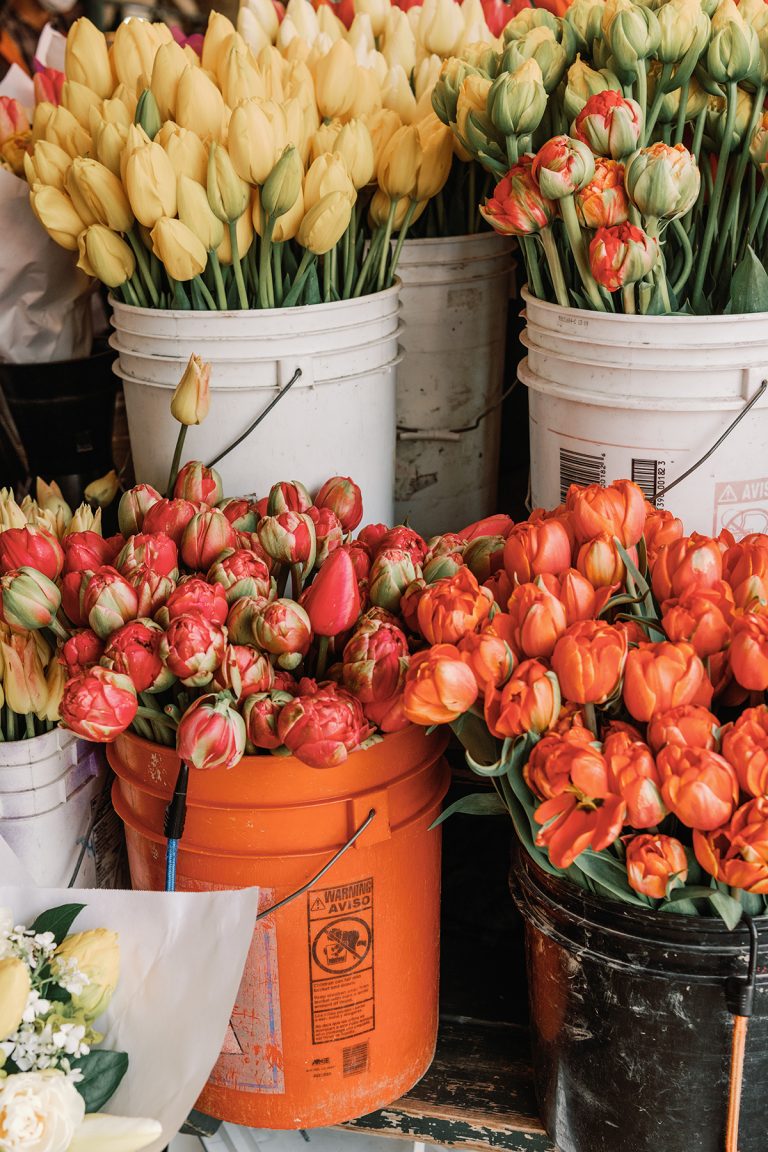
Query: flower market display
x,y
54,986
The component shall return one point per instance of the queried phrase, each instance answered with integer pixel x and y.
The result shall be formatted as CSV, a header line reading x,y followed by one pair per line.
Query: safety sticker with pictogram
x,y
341,960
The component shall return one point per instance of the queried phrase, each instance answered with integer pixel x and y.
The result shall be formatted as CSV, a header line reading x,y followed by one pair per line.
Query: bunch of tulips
x,y
608,675
630,142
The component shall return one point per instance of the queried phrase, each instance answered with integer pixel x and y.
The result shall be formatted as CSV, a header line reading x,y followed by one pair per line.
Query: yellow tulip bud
x,y
150,182
56,678
336,80
286,226
40,119
399,45
11,515
86,59
282,186
397,95
135,139
185,150
57,214
304,17
244,234
178,249
368,95
329,23
84,520
382,126
252,31
251,142
324,139
361,36
238,76
436,142
227,194
63,129
376,10
325,223
23,674
441,27
51,499
82,208
133,52
47,164
124,95
264,11
102,193
106,256
79,100
97,955
191,400
15,987
398,167
38,517
116,112
109,142
200,104
327,174
381,205
169,64
355,146
195,211
218,31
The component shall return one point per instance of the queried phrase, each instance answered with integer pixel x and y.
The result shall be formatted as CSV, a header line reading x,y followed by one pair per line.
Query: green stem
x,y
327,277
658,272
176,460
130,294
717,193
277,273
680,125
737,177
628,299
307,259
698,134
369,261
513,150
385,245
685,272
205,294
140,253
536,284
241,293
266,291
218,280
661,91
350,241
10,723
29,724
757,212
641,90
555,267
576,240
322,657
296,581
401,240
590,716
156,717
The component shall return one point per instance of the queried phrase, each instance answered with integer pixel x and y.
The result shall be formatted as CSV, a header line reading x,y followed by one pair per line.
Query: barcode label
x,y
649,476
579,468
355,1059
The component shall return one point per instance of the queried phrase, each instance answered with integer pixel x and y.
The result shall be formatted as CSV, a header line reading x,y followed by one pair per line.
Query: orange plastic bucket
x,y
337,1011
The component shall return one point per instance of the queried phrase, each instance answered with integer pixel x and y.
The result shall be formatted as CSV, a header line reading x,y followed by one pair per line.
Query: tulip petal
x,y
102,1133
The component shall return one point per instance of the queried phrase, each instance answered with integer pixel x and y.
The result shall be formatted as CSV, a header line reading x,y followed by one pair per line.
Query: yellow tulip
x,y
397,95
63,129
11,515
382,126
150,182
441,27
191,400
271,67
178,249
244,233
264,11
200,104
399,45
84,520
327,174
23,674
195,211
336,80
169,64
324,139
282,186
86,59
228,194
368,95
40,120
15,986
51,499
376,10
78,99
57,214
133,51
185,150
251,142
125,96
47,164
436,141
97,956
218,31
135,139
398,166
238,78
286,226
325,223
361,36
116,112
55,682
355,146
102,193
252,31
106,256
329,23
304,17
109,143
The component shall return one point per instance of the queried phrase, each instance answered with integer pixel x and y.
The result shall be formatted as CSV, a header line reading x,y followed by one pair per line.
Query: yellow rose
x,y
14,993
97,956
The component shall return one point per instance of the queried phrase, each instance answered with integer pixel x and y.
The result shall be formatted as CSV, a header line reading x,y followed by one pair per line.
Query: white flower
x,y
101,1133
39,1112
6,927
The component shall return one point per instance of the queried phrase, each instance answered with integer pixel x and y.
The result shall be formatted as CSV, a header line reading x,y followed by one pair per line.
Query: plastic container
x,y
337,1011
53,797
645,397
455,297
630,1025
338,418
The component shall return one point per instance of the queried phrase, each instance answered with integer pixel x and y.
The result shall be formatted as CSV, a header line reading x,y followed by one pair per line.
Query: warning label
x,y
741,506
341,961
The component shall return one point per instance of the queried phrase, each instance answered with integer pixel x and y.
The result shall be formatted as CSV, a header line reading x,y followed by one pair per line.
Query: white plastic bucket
x,y
337,419
53,801
645,397
455,296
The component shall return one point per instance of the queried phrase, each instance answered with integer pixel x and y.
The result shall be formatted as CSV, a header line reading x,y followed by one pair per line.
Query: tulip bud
x,y
325,223
332,601
170,517
343,497
583,82
251,142
57,214
542,46
610,124
734,50
631,33
621,255
191,399
133,51
517,207
336,80
200,105
186,152
106,256
170,63
63,129
24,684
109,601
151,185
663,180
288,496
282,186
133,507
29,599
227,193
178,249
15,987
33,547
284,629
103,490
99,704
86,58
47,164
562,166
97,955
516,100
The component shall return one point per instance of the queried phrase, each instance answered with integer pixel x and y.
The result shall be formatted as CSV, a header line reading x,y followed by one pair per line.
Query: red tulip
x,y
699,786
653,861
288,496
329,533
99,704
133,507
388,715
241,573
341,495
260,713
618,510
528,702
321,729
245,671
375,661
154,552
332,601
737,853
211,734
109,601
498,525
170,517
32,548
86,551
284,629
532,549
81,651
198,483
134,650
195,595
193,648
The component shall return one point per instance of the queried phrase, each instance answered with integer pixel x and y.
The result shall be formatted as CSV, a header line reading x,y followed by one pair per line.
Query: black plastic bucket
x,y
631,1031
63,414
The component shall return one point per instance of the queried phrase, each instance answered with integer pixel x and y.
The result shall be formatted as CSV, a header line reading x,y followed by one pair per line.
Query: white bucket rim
x,y
576,338
15,753
273,388
647,365
636,321
469,239
250,313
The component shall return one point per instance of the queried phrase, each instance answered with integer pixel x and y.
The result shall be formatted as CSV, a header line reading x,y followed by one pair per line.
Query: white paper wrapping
x,y
182,957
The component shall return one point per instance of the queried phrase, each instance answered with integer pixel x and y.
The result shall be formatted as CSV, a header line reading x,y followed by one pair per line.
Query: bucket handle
x,y
453,434
741,996
252,427
326,868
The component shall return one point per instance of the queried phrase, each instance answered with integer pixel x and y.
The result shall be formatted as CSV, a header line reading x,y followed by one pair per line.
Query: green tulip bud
x,y
632,34
445,94
282,186
227,193
734,49
148,114
517,100
484,58
684,27
529,19
583,82
541,45
585,18
663,181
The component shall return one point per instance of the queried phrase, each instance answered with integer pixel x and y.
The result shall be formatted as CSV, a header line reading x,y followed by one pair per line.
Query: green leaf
x,y
522,823
477,804
751,902
608,872
478,742
680,907
749,286
729,909
57,920
102,1072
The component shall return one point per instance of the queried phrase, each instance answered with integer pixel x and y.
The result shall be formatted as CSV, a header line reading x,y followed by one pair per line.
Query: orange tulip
x,y
528,702
439,686
745,746
600,561
652,861
575,593
745,567
689,725
691,562
737,853
500,587
634,776
452,607
699,786
561,514
661,528
748,653
573,825
702,616
634,631
618,510
532,549
537,620
589,660
489,656
548,769
661,676
409,602
572,717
